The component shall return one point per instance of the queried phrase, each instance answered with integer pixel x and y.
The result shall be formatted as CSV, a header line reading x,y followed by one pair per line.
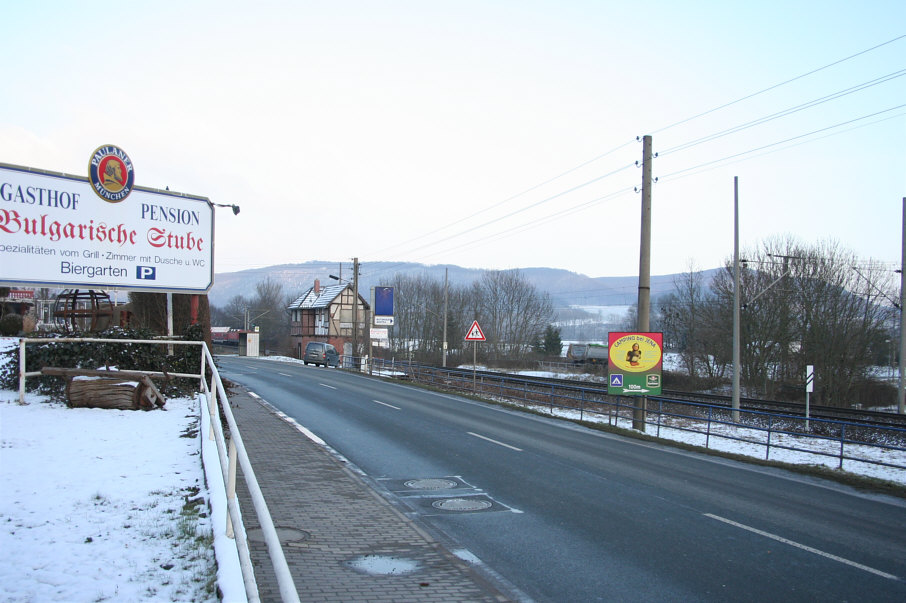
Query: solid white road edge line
x,y
299,427
865,568
487,439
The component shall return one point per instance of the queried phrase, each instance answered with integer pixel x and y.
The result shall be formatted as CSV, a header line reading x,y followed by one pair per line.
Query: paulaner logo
x,y
111,173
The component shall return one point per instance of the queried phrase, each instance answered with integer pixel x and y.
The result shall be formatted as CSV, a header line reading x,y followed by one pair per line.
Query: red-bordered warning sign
x,y
475,333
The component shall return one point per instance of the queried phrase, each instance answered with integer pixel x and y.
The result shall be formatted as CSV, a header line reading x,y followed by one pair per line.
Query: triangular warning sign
x,y
475,333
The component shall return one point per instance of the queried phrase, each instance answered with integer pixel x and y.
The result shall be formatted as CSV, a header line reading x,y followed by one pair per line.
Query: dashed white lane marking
x,y
487,439
387,405
327,386
865,568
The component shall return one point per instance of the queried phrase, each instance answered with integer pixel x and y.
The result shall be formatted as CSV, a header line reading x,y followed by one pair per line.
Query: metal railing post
x,y
21,370
660,413
842,439
231,486
204,365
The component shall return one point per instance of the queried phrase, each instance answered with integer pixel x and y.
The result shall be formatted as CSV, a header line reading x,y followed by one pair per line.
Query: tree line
x,y
514,316
801,305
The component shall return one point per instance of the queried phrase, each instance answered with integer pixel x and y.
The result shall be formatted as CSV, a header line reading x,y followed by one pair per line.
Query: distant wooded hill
x,y
565,288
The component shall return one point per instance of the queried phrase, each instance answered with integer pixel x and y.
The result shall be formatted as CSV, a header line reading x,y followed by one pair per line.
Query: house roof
x,y
310,299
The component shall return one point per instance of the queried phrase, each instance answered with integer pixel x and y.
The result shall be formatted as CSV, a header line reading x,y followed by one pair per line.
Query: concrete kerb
x,y
343,539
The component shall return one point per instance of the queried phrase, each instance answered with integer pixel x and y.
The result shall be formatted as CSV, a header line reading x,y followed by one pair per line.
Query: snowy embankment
x,y
111,505
746,442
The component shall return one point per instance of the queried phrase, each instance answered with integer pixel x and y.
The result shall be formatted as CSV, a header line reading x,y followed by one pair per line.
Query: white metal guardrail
x,y
230,453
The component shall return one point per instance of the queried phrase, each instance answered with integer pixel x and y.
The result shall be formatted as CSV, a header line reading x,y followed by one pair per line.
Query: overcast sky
x,y
484,134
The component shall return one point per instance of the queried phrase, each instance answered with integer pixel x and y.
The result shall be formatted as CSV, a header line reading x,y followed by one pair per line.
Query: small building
x,y
21,302
248,343
328,314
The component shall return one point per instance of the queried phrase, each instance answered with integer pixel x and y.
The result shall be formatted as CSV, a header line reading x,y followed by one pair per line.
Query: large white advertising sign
x,y
58,230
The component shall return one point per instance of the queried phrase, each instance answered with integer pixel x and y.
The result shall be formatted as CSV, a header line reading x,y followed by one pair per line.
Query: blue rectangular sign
x,y
383,301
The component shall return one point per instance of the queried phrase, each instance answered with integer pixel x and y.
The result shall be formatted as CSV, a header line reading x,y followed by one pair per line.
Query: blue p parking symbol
x,y
147,273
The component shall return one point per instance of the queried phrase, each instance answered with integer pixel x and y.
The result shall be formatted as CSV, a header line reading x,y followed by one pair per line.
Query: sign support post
x,y
475,334
474,365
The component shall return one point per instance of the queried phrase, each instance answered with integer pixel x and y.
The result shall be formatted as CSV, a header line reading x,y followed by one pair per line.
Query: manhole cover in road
x,y
462,504
431,484
284,535
383,565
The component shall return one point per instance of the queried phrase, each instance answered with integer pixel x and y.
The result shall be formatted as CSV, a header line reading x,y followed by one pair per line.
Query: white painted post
x,y
231,485
21,371
809,388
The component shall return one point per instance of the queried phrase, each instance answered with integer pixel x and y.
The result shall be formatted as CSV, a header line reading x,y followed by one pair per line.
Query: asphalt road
x,y
564,513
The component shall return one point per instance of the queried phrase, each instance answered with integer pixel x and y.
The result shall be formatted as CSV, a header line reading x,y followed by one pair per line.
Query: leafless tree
x,y
693,326
807,305
517,313
511,312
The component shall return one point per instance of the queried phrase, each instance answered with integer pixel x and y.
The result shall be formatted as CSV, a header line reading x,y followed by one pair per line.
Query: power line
x,y
536,223
507,200
773,144
775,86
523,209
785,112
709,166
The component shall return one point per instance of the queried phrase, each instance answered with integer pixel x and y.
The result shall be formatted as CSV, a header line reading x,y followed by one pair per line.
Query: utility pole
x,y
736,321
446,275
355,306
901,387
644,305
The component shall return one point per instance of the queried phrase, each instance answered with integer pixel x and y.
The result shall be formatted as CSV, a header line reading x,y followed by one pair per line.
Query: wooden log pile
x,y
125,390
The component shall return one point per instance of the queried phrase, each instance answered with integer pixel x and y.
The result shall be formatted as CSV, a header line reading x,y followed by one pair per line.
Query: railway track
x,y
794,409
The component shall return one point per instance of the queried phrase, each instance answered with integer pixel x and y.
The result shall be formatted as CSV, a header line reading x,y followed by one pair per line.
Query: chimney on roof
x,y
317,287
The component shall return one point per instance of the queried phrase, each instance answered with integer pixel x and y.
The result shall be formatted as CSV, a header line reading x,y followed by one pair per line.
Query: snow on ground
x,y
751,442
93,503
110,505
743,441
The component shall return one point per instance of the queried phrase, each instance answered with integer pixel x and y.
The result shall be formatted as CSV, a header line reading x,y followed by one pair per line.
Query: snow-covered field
x,y
110,505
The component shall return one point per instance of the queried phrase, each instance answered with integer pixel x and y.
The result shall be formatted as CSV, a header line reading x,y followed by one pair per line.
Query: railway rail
x,y
854,415
862,437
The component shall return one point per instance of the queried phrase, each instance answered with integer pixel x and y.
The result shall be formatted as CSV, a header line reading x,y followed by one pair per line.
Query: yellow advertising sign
x,y
635,353
634,363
